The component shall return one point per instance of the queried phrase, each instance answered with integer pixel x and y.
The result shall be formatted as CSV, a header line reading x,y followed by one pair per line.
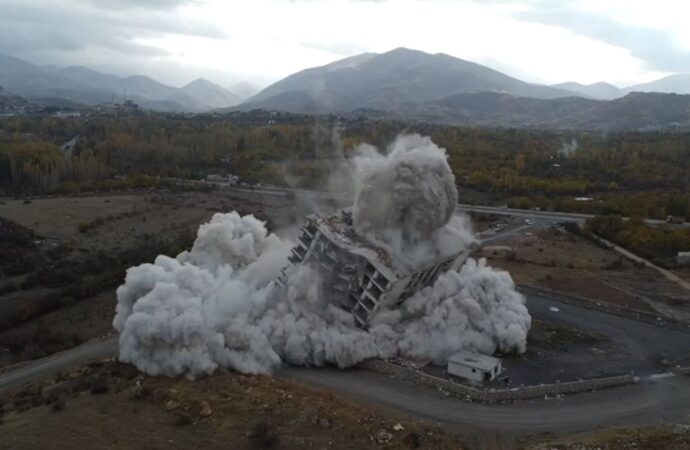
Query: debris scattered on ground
x,y
205,409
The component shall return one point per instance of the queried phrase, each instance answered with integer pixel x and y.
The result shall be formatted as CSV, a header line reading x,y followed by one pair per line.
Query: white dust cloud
x,y
411,190
218,306
405,199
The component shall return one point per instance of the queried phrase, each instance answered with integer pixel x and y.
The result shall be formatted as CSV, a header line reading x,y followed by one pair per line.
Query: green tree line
x,y
542,168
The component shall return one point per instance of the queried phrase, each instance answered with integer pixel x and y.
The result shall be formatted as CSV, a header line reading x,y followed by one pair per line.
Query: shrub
x,y
84,226
183,420
143,392
100,386
263,436
413,440
59,405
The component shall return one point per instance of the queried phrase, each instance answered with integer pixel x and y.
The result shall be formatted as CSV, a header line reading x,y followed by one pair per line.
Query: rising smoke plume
x,y
411,190
405,200
218,306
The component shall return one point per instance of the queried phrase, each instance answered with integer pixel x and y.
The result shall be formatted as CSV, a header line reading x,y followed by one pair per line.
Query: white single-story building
x,y
683,258
219,178
474,366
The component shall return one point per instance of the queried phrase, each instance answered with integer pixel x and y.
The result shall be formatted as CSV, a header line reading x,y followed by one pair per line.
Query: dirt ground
x,y
557,260
66,255
684,273
113,222
664,437
111,406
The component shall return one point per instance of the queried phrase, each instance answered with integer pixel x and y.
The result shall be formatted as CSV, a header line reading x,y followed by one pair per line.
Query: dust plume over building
x,y
228,303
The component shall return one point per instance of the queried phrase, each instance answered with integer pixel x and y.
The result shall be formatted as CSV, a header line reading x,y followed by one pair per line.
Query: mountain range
x,y
402,83
601,90
389,81
635,111
402,75
413,85
89,87
672,84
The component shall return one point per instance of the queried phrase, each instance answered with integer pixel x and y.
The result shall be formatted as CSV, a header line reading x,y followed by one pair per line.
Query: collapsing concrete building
x,y
218,305
358,276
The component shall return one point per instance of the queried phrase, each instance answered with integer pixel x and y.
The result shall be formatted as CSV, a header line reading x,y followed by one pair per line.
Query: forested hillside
x,y
523,168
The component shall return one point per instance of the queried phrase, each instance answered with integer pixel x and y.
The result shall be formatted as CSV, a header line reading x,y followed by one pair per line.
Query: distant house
x,y
215,177
225,179
67,113
473,366
683,258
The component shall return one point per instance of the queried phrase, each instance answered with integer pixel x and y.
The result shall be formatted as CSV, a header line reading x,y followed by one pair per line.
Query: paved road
x,y
526,213
550,215
630,346
511,230
649,402
654,400
547,215
50,365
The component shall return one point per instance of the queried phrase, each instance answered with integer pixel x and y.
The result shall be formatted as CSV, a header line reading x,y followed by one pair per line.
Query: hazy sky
x,y
175,41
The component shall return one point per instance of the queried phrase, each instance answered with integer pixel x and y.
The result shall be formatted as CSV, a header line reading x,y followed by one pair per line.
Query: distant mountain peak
x,y
603,83
9,58
243,90
600,90
201,81
678,83
405,50
386,81
210,93
87,86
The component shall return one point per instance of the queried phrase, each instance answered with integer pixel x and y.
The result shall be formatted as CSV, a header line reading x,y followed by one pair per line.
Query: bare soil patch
x,y
66,255
110,405
555,259
661,437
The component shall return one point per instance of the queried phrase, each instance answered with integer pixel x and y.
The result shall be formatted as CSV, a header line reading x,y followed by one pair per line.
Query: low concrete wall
x,y
493,395
681,370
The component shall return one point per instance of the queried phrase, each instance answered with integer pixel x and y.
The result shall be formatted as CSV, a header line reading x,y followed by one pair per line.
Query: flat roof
x,y
475,360
336,228
338,231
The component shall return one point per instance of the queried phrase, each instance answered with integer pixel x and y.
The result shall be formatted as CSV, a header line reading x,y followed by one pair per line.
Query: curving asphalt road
x,y
666,399
32,371
651,401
